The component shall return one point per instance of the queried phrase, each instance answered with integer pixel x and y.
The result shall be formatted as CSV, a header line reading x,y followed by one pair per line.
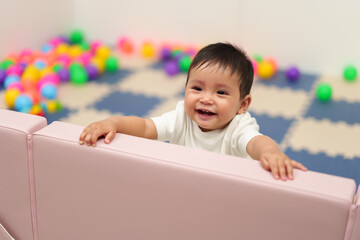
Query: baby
x,y
213,116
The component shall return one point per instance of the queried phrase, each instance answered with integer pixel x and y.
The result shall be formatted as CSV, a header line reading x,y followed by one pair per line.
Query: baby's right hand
x,y
91,133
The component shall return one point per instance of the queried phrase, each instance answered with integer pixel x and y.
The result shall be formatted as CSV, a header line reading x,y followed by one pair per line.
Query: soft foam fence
x,y
136,188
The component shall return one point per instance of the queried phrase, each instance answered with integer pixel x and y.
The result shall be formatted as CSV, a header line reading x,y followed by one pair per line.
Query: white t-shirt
x,y
176,127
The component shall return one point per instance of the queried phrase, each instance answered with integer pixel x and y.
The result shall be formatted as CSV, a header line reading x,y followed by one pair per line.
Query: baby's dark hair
x,y
226,56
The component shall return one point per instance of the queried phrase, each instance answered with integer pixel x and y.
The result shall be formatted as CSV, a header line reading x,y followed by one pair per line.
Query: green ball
x,y
6,64
350,73
85,46
111,64
184,63
76,37
76,67
258,58
57,67
79,77
324,92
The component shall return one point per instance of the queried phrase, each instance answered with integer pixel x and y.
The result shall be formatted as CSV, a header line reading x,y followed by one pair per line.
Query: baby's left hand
x,y
280,165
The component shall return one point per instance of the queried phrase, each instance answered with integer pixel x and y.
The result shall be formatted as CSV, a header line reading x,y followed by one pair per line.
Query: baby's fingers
x,y
298,165
83,136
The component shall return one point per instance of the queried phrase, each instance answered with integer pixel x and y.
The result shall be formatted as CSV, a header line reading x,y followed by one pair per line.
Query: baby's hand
x,y
280,165
91,133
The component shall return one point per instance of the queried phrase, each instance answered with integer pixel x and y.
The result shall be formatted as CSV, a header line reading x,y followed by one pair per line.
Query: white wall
x,y
30,23
318,35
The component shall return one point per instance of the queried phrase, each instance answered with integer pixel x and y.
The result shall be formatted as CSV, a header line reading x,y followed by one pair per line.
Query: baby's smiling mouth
x,y
205,112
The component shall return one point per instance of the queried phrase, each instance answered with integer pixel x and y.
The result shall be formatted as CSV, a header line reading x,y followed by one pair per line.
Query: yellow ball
x,y
62,48
46,71
148,50
103,52
36,109
51,106
10,96
265,69
75,51
31,72
99,63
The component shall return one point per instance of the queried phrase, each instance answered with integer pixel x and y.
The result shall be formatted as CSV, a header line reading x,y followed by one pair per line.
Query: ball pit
x,y
31,78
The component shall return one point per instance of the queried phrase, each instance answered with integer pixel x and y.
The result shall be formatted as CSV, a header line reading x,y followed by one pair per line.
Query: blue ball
x,y
23,103
49,91
46,48
10,79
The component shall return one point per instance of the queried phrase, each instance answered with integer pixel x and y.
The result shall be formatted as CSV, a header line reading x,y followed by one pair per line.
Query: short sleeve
x,y
166,123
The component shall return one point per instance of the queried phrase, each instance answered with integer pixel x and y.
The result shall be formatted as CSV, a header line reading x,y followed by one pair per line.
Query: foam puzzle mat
x,y
324,136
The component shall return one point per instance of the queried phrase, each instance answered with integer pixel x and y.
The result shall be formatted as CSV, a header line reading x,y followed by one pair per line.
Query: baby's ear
x,y
245,104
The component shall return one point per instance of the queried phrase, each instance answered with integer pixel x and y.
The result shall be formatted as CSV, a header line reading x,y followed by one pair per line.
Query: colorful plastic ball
x,y
85,46
46,48
11,79
99,64
111,64
94,45
40,64
324,92
79,77
49,91
57,67
165,53
265,69
255,66
76,37
34,94
92,71
53,106
292,74
37,110
273,63
85,58
148,50
350,73
23,103
64,75
258,58
17,85
103,52
10,96
64,59
15,70
75,51
171,67
2,77
125,45
184,63
6,64
75,66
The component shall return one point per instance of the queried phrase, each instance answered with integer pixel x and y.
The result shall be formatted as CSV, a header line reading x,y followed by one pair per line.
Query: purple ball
x,y
64,75
2,77
92,71
165,53
292,74
171,68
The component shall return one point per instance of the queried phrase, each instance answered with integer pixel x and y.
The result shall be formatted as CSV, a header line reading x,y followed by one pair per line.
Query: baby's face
x,y
212,97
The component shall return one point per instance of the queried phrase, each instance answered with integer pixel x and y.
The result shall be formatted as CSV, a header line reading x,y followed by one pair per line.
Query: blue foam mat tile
x,y
64,113
113,78
338,165
305,81
334,111
274,127
127,103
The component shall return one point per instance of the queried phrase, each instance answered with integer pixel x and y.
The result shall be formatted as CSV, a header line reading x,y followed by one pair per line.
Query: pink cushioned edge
x,y
26,123
323,185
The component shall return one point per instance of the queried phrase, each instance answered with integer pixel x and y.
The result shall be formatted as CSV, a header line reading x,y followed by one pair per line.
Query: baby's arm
x,y
134,126
266,150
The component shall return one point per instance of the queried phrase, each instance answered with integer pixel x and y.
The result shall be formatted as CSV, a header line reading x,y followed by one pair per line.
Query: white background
x,y
320,36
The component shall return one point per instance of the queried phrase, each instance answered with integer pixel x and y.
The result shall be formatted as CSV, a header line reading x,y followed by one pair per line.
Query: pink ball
x,y
25,53
64,59
94,45
49,79
85,58
55,41
16,85
255,66
15,70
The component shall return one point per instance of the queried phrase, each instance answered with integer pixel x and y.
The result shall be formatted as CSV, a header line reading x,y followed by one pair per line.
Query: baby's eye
x,y
221,92
196,88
